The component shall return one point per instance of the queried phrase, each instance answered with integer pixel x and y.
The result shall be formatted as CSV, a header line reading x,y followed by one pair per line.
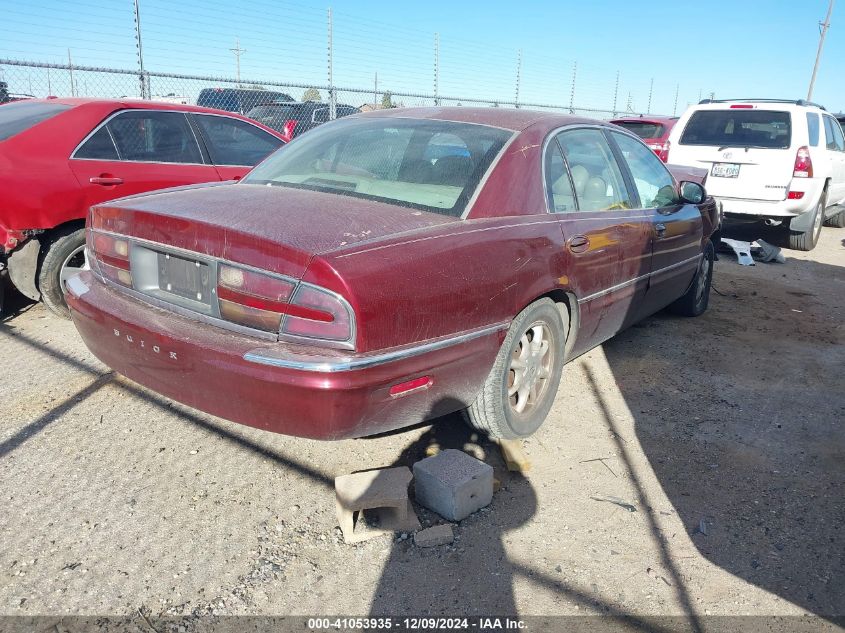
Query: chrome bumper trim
x,y
332,365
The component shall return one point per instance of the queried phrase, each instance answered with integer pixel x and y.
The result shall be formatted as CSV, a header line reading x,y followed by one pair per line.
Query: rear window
x,y
739,128
643,129
399,161
20,116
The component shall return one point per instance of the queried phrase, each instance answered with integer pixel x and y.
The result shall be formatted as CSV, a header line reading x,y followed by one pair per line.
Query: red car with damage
x,y
654,130
395,266
60,156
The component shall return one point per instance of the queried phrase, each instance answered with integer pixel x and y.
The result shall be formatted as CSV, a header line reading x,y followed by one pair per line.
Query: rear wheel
x,y
807,240
520,389
65,257
697,297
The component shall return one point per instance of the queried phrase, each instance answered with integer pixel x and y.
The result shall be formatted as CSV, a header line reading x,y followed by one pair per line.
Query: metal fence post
x,y
70,71
142,81
518,77
572,91
615,93
650,91
436,69
332,94
675,109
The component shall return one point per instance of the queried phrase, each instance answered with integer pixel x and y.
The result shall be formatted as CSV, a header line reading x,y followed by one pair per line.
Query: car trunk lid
x,y
277,229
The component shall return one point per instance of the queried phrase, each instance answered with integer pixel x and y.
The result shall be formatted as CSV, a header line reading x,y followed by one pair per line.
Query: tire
x,y
695,300
497,413
807,240
64,253
837,221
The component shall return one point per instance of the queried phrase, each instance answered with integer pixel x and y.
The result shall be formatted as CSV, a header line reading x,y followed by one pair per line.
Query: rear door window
x,y
19,117
99,146
234,142
159,137
559,189
596,176
739,127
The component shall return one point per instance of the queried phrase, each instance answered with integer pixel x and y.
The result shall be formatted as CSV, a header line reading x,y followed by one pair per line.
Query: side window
x,y
99,147
559,189
321,115
235,142
598,182
155,137
833,134
654,184
813,128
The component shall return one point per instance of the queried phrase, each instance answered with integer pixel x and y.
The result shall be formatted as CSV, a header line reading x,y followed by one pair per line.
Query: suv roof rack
x,y
800,102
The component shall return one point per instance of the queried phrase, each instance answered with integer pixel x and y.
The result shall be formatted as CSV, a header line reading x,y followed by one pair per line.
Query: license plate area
x,y
177,278
725,170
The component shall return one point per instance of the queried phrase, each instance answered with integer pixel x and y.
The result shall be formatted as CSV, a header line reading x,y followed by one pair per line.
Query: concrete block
x,y
433,536
453,484
374,502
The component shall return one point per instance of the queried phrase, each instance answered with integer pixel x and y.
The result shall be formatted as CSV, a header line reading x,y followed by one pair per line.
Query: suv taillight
x,y
661,150
803,164
111,256
272,304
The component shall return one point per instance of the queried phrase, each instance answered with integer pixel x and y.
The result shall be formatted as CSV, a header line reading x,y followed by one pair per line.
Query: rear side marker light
x,y
795,195
404,388
803,164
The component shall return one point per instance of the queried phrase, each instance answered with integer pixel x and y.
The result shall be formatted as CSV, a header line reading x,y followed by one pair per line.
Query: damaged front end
x,y
19,260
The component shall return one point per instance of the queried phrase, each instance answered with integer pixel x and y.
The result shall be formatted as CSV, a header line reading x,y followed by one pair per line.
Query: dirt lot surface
x,y
725,435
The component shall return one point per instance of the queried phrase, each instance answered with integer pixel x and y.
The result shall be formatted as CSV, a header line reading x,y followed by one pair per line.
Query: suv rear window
x,y
18,117
643,129
739,128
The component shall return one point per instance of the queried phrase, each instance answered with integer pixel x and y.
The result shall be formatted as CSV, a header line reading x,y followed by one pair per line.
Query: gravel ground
x,y
724,434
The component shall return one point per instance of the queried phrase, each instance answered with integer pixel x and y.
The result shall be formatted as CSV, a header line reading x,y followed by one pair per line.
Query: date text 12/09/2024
x,y
417,624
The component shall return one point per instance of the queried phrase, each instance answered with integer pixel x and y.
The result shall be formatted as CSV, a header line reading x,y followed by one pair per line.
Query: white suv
x,y
768,159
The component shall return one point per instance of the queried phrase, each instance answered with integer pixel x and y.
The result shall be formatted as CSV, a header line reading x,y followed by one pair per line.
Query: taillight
x,y
803,164
252,299
112,257
664,153
269,303
288,129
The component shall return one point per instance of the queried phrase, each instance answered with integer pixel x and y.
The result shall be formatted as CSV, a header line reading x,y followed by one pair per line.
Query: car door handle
x,y
660,229
578,243
105,180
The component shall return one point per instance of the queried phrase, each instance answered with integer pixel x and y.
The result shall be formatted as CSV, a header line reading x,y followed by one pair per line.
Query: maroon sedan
x,y
653,130
393,266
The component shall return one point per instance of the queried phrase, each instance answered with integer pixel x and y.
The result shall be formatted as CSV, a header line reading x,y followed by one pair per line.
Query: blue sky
x,y
732,48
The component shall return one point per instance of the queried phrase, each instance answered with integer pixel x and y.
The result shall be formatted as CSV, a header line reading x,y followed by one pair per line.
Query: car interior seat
x,y
452,170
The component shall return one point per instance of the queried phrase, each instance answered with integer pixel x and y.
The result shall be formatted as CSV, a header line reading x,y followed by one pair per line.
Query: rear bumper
x,y
278,387
783,209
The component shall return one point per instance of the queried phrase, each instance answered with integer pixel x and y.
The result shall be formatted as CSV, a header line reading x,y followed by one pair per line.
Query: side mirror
x,y
692,192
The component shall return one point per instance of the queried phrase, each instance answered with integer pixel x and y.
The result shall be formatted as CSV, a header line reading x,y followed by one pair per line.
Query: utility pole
x,y
70,70
824,26
615,93
238,51
332,94
436,69
141,76
518,77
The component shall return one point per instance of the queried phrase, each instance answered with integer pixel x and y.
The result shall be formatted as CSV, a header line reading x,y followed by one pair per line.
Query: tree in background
x,y
312,94
387,100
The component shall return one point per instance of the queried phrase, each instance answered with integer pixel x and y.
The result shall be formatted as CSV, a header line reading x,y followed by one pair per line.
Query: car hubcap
x,y
74,264
530,368
703,272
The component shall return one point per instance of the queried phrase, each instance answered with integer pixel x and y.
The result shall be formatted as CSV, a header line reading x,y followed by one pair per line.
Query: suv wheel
x,y
807,240
837,221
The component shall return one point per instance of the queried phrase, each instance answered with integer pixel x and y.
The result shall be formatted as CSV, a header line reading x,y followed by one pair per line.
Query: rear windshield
x,y
643,129
423,164
739,128
19,116
267,113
